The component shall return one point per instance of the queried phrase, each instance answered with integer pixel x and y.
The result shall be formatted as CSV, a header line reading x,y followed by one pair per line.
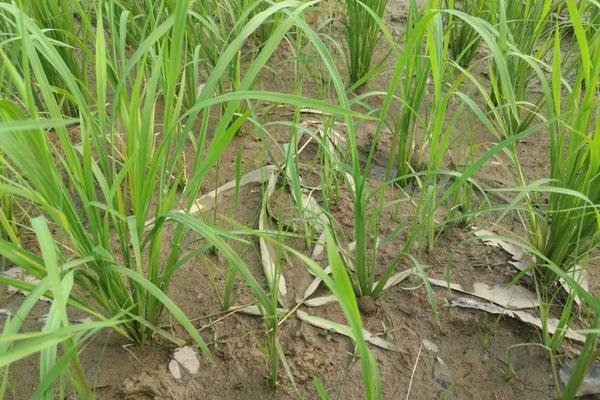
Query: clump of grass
x,y
96,188
365,278
412,93
464,40
362,34
570,228
522,36
57,368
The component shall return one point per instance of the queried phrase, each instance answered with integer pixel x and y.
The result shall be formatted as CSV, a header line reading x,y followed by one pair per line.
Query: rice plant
x,y
49,191
137,279
412,93
464,40
362,34
56,367
565,230
571,227
522,30
365,277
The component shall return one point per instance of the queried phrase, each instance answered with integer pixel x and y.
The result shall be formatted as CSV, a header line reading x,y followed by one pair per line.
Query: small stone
x,y
431,347
367,305
187,358
590,385
406,308
174,370
290,352
220,353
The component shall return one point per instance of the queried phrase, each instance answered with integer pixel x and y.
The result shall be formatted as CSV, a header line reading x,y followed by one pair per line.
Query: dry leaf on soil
x,y
267,252
518,315
521,261
18,274
255,311
346,330
207,201
513,297
320,301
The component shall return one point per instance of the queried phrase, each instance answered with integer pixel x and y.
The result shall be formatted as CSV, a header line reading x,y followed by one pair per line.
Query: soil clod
x,y
367,305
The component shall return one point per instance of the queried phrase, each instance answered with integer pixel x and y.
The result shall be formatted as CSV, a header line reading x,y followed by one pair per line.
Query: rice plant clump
x,y
362,34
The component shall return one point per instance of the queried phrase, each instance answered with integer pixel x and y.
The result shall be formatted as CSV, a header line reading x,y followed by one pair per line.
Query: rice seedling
x,y
571,226
438,135
121,165
522,30
362,34
365,278
412,88
55,368
438,126
568,189
48,190
463,40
